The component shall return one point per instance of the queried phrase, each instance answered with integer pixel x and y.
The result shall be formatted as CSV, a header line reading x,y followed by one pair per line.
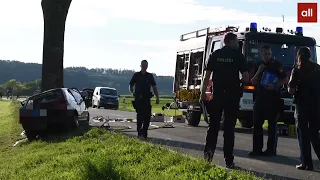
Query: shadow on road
x,y
265,175
239,153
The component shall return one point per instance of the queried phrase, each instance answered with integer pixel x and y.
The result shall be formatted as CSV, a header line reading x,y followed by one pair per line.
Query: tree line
x,y
27,76
18,88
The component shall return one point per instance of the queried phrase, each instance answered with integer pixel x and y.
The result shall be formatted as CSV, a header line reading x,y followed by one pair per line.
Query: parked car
x,y
105,97
55,106
88,98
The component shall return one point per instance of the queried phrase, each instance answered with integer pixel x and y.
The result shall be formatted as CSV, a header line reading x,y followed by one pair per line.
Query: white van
x,y
105,97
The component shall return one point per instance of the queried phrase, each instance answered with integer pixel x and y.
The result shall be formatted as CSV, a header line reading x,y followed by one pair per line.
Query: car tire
x,y
31,135
193,118
98,106
74,121
87,119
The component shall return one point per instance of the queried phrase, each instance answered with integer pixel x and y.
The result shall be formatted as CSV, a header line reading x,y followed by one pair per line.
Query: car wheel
x,y
31,135
74,121
98,106
193,118
88,118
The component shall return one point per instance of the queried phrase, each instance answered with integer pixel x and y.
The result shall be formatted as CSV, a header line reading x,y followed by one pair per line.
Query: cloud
x,y
156,43
166,11
24,13
99,12
28,14
260,1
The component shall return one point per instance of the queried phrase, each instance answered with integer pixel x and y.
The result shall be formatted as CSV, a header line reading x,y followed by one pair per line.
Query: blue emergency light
x,y
253,26
299,30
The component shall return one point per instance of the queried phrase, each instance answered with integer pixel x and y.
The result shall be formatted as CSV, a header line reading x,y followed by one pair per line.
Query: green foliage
x,y
79,77
26,88
10,129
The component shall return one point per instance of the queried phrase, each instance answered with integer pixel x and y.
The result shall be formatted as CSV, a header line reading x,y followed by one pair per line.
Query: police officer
x,y
224,65
143,81
304,85
267,103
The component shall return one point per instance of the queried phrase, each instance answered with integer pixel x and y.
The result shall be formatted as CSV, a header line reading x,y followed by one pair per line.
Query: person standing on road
x,y
143,81
304,85
225,65
267,102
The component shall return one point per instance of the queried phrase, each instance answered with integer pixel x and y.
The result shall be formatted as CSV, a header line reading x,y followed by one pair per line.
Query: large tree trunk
x,y
55,14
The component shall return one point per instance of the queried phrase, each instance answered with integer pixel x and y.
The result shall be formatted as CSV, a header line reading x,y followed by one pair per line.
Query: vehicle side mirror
x,y
96,93
119,96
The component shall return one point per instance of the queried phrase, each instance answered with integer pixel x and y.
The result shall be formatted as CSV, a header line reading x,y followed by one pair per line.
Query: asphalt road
x,y
190,140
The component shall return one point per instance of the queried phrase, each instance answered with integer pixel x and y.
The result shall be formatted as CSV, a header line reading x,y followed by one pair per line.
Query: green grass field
x,y
94,154
156,108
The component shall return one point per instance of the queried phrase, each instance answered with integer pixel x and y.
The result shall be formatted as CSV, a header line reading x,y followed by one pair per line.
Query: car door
x,y
77,102
95,97
71,99
80,103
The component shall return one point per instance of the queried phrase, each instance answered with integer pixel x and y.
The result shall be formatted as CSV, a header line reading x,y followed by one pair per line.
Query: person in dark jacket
x,y
143,81
304,85
224,65
266,102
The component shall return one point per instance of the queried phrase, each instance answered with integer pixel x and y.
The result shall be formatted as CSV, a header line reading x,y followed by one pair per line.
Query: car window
x,y
76,95
216,45
106,91
46,98
69,96
49,97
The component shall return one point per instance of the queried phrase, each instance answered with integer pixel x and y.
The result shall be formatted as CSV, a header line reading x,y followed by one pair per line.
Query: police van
x,y
195,47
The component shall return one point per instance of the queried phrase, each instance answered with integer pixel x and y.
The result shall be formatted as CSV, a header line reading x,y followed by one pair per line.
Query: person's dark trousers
x,y
143,109
229,103
265,108
307,131
302,124
314,137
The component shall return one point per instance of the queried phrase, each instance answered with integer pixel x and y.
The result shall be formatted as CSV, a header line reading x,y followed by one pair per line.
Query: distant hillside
x,y
80,77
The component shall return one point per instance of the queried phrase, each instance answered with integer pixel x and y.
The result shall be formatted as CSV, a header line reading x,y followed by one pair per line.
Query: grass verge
x,y
156,108
98,154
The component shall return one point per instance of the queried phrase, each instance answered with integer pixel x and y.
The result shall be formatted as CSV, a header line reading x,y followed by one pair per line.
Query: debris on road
x,y
20,141
105,123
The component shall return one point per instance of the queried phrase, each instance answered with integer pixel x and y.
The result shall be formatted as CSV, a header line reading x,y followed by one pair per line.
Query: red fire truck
x,y
193,52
